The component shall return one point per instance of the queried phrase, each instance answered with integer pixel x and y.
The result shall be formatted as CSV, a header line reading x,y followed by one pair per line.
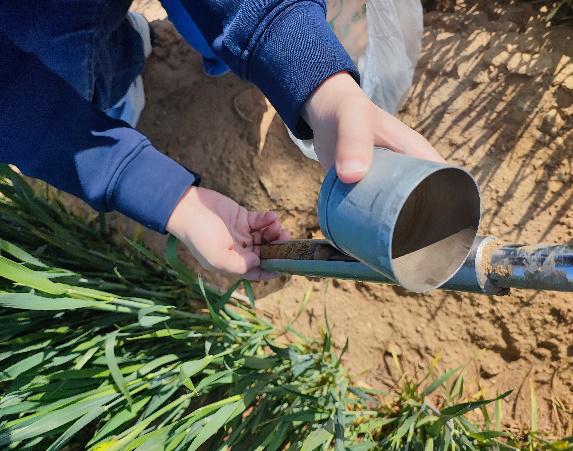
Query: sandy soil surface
x,y
493,92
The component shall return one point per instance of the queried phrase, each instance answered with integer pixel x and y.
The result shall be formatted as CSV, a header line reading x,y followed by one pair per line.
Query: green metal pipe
x,y
491,268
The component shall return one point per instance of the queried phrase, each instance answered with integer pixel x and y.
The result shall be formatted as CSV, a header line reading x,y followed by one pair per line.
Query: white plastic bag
x,y
384,39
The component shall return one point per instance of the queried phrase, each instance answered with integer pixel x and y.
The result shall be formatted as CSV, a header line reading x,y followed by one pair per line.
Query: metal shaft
x,y
491,268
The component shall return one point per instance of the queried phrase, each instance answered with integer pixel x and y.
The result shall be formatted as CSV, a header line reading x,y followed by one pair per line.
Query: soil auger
x,y
414,223
491,267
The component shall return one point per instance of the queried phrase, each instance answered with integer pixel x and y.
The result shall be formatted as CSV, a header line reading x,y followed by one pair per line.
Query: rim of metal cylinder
x,y
434,257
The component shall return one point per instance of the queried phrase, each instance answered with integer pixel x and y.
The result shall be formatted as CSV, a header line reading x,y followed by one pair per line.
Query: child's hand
x,y
347,125
223,236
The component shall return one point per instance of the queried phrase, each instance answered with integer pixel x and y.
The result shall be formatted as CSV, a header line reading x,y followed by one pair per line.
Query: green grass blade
x,y
486,436
339,429
52,420
226,297
26,364
498,414
555,10
302,307
190,369
316,438
20,254
29,301
403,429
171,256
147,320
76,427
144,251
344,349
278,438
122,417
458,389
459,409
25,276
217,319
307,416
436,383
216,421
111,361
250,293
429,444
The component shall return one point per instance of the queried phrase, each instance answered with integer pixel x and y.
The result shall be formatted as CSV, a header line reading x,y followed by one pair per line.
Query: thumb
x,y
390,132
355,140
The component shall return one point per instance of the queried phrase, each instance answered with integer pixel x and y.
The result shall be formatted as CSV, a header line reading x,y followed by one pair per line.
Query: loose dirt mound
x,y
493,92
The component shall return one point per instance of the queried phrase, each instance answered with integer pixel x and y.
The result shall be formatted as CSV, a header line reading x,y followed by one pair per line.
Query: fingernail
x,y
350,167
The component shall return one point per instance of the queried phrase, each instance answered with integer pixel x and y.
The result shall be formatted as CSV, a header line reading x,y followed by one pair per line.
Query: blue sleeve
x,y
50,132
285,47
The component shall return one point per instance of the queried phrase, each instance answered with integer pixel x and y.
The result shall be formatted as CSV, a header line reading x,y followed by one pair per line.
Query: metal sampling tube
x,y
491,267
403,213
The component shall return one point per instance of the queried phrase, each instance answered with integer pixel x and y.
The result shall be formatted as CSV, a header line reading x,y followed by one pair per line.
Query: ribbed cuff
x,y
149,187
287,71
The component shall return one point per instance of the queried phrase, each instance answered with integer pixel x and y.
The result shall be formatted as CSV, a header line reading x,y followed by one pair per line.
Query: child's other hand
x,y
223,236
347,125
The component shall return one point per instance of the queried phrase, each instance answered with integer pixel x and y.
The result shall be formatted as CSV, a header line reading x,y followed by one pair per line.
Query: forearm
x,y
50,132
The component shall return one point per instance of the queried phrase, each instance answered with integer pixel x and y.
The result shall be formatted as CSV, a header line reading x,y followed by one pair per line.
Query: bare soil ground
x,y
493,92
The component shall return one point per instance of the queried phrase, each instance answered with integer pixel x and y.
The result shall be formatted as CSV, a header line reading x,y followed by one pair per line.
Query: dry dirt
x,y
493,92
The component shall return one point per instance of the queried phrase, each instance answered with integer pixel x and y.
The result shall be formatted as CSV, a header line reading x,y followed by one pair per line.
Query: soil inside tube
x,y
294,250
487,251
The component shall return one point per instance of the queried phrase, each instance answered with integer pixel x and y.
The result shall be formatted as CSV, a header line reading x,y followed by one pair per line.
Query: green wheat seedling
x,y
560,6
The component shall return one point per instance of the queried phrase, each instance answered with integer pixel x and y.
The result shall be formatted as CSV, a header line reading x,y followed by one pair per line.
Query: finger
x,y
284,235
259,274
258,221
393,134
272,232
355,139
258,239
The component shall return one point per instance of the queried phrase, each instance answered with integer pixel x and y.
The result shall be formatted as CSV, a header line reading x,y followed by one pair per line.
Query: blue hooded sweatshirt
x,y
50,131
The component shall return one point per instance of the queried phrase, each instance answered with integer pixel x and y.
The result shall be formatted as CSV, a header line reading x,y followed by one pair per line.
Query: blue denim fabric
x,y
98,52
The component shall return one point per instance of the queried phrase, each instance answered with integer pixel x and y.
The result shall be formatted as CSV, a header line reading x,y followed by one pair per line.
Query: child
x,y
63,63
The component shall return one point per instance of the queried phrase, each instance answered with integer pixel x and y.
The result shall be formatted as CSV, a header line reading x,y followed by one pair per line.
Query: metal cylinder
x,y
411,220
